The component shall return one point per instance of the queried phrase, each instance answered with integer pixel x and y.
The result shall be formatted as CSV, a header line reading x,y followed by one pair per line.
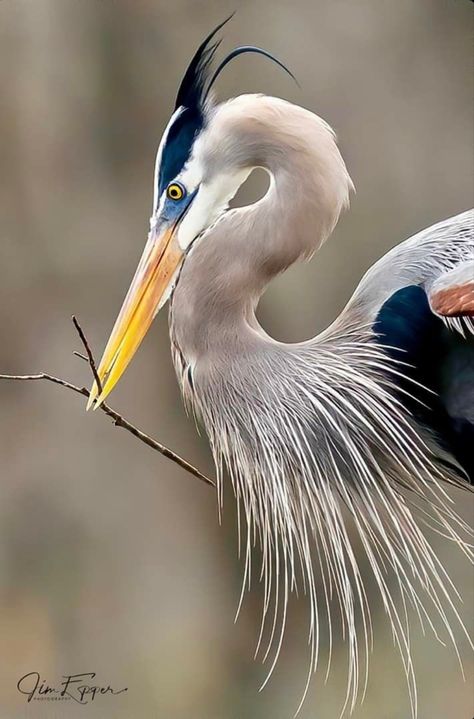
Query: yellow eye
x,y
175,191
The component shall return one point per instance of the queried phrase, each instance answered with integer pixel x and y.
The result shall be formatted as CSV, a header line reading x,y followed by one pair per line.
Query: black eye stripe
x,y
179,142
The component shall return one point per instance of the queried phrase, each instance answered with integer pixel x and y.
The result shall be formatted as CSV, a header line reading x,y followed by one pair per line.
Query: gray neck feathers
x,y
229,266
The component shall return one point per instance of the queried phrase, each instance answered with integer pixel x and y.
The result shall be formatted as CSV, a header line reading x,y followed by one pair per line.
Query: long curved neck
x,y
228,268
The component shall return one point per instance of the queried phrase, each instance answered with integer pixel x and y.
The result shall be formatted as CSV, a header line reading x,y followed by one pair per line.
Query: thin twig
x,y
88,350
119,421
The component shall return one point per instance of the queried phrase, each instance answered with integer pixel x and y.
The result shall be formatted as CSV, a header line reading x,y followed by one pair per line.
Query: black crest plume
x,y
190,103
192,91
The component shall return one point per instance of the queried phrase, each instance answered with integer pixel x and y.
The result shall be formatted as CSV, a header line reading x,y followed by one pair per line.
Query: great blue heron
x,y
363,425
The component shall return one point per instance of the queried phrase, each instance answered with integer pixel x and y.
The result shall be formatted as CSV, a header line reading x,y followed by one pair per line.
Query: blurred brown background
x,y
111,558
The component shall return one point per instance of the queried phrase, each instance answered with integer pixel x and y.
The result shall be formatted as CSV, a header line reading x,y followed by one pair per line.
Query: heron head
x,y
190,193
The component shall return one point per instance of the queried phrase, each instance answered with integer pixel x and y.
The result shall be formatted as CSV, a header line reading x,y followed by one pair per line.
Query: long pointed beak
x,y
149,290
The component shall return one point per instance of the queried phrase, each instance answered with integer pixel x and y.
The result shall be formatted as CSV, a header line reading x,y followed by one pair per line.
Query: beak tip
x,y
95,401
92,401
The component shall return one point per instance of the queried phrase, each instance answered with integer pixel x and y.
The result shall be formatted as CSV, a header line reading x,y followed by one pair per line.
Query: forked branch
x,y
118,419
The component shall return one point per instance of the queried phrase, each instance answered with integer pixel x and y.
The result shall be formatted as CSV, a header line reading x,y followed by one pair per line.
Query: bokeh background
x,y
111,557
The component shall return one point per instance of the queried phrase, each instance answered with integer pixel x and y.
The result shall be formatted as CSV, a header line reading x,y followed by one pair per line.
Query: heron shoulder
x,y
420,260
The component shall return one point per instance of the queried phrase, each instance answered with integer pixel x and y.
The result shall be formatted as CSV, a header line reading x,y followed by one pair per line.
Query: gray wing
x,y
435,258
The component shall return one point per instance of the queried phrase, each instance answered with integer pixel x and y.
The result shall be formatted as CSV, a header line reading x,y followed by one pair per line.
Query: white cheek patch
x,y
211,200
192,173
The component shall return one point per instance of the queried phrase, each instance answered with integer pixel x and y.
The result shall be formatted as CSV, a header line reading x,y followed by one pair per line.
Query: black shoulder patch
x,y
436,359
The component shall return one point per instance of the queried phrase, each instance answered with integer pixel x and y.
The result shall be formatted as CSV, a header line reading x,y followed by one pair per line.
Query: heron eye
x,y
175,191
